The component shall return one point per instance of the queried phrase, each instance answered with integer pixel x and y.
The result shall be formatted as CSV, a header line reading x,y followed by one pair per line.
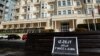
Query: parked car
x,y
24,37
3,37
13,36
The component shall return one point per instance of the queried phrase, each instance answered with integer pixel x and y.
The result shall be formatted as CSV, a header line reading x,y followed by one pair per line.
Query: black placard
x,y
65,46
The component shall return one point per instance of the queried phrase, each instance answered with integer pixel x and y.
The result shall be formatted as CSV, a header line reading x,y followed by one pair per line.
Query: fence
x,y
40,44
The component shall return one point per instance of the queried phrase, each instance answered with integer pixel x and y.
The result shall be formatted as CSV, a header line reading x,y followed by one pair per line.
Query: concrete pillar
x,y
73,24
48,25
52,25
18,25
55,26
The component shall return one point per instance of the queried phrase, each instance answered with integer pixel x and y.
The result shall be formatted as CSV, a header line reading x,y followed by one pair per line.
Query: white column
x,y
38,25
73,24
55,26
52,25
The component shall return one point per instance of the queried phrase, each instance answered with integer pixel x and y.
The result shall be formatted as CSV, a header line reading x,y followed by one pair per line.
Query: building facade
x,y
2,9
60,15
9,10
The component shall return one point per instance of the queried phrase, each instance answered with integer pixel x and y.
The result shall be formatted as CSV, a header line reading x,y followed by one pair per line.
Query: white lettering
x,y
64,41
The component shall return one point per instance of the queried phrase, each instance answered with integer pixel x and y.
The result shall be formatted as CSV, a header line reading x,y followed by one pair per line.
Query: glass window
x,y
89,1
97,1
51,7
68,2
59,12
42,6
64,27
64,3
45,14
69,11
79,12
78,3
84,1
37,0
89,10
31,0
42,14
59,3
64,12
28,8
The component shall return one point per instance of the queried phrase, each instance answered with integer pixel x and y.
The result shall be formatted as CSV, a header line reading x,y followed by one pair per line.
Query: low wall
x,y
40,44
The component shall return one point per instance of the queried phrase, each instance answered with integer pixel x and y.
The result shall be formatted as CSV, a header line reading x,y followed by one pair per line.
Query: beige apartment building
x,y
2,8
60,15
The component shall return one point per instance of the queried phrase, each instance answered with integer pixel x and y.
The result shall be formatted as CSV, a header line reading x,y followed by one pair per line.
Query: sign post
x,y
67,46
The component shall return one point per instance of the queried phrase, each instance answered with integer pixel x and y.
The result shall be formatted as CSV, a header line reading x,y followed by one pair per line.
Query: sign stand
x,y
65,46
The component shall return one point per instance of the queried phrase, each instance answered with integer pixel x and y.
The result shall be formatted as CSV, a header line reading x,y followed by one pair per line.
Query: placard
x,y
65,46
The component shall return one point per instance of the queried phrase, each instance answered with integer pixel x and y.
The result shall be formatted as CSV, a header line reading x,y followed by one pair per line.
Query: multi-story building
x,y
9,10
2,8
60,15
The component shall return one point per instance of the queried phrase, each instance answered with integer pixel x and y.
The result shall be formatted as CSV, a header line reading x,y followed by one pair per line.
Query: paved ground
x,y
12,48
11,52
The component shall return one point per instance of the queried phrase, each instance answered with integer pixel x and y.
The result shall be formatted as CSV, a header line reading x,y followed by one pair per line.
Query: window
x,y
28,8
4,26
15,26
89,10
68,2
24,16
78,3
64,12
51,7
79,12
64,27
42,14
27,25
25,9
28,16
64,3
9,26
89,1
21,25
59,12
42,6
37,0
84,1
31,0
69,11
97,1
59,3
45,15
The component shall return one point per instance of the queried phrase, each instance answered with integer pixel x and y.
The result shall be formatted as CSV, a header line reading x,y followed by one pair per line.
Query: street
x,y
12,47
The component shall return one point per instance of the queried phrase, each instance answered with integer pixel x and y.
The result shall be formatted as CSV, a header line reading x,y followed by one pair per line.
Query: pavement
x,y
12,48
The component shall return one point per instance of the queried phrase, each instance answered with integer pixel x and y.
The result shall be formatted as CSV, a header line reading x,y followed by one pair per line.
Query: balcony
x,y
50,10
78,7
63,17
51,1
16,14
36,12
17,5
37,4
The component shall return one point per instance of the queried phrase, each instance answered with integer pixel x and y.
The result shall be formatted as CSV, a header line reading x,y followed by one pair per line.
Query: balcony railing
x,y
74,16
50,10
37,4
78,7
51,1
36,12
